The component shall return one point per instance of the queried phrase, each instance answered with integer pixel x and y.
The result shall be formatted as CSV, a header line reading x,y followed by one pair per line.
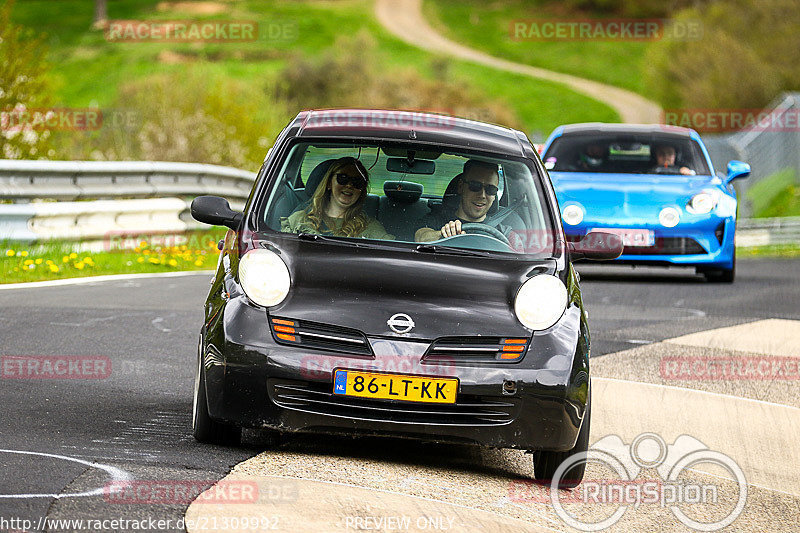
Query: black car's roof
x,y
602,127
410,126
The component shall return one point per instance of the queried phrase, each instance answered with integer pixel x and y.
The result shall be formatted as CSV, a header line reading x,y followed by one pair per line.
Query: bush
x,y
23,90
191,117
748,54
354,76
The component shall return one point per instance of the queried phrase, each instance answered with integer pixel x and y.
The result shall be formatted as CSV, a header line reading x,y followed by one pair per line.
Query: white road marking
x,y
119,477
97,279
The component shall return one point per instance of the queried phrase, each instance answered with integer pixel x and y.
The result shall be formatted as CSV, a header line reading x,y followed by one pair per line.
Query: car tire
x,y
545,463
722,275
204,428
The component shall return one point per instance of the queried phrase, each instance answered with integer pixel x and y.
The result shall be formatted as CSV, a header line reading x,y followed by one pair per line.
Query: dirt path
x,y
404,19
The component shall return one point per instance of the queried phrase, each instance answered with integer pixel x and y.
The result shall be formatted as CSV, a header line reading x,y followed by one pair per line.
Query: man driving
x,y
477,190
665,159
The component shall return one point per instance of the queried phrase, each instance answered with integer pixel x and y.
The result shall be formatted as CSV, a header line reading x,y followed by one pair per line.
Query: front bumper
x,y
705,242
252,381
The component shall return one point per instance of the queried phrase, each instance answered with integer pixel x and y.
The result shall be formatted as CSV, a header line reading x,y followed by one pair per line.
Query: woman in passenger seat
x,y
337,205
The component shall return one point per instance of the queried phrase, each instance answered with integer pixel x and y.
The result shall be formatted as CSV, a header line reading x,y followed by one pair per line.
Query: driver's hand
x,y
452,228
686,171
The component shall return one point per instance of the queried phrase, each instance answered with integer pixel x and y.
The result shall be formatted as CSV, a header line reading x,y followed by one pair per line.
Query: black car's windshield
x,y
627,153
408,194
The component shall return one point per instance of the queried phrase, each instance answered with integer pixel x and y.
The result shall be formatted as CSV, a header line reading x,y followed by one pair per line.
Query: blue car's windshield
x,y
399,193
626,153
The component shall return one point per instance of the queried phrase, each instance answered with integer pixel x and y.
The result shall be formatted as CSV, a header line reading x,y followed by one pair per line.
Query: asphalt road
x,y
134,421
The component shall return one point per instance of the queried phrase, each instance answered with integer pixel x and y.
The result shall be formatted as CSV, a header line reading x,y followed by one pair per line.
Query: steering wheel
x,y
483,229
674,169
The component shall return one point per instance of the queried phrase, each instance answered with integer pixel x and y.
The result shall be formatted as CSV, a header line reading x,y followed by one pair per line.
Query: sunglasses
x,y
356,181
476,186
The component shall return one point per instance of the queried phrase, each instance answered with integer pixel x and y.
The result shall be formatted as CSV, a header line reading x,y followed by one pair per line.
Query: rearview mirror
x,y
598,246
737,169
413,166
215,211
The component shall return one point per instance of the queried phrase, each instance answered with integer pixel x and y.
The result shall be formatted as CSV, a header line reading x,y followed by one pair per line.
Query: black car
x,y
404,274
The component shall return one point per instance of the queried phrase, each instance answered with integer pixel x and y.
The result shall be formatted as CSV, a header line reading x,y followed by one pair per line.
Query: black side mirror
x,y
215,211
598,246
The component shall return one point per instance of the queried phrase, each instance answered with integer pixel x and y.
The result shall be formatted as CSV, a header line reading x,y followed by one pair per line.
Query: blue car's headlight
x,y
572,215
702,203
669,217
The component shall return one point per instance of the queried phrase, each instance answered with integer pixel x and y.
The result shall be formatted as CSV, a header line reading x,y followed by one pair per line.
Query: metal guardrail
x,y
120,187
22,180
765,231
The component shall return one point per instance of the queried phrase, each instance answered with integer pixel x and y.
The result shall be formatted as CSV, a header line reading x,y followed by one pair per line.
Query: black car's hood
x,y
362,286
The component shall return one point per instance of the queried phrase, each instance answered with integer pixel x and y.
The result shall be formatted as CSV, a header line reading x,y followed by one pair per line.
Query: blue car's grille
x,y
663,246
668,246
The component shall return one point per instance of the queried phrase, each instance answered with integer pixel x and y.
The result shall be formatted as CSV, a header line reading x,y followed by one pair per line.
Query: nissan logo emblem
x,y
400,323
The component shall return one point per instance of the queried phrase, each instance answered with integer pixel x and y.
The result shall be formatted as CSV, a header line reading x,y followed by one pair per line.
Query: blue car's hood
x,y
628,194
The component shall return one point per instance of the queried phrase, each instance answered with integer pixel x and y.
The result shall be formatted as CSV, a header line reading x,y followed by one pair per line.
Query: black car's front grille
x,y
318,398
668,246
319,336
476,349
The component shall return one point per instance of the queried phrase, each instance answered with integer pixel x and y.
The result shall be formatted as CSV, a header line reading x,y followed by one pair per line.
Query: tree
x,y
100,14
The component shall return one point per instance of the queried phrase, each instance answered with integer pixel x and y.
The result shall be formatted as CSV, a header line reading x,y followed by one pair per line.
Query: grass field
x,y
777,195
487,26
89,70
59,260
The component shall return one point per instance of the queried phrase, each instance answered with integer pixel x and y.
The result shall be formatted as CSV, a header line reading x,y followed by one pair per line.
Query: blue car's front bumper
x,y
703,241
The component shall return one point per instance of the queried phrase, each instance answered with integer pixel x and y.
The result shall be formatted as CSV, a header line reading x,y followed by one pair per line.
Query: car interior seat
x,y
401,207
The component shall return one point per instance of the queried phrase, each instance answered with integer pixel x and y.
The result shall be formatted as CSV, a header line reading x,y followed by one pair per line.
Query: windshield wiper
x,y
438,248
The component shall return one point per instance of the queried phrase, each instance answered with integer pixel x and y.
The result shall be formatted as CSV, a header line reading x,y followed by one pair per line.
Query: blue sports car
x,y
652,185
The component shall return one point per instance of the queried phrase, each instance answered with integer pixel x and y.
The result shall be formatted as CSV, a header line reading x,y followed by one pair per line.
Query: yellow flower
x,y
146,252
39,261
153,260
143,244
73,255
65,259
28,262
198,263
24,253
49,262
173,263
53,268
79,266
140,259
10,253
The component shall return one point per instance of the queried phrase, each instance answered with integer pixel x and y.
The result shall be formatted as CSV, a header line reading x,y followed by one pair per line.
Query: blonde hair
x,y
355,220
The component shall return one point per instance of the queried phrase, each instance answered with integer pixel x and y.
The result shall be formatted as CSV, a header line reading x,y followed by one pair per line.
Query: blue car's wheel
x,y
722,275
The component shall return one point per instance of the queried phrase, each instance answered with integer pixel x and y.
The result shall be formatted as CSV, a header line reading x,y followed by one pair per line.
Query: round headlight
x,y
701,203
573,214
264,277
540,302
669,217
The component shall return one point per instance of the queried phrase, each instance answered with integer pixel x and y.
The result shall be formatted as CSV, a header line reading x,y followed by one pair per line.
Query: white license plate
x,y
632,237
